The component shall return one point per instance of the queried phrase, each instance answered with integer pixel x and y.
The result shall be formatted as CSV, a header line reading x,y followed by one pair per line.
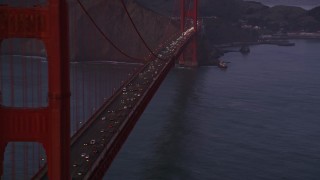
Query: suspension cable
x,y
104,35
136,29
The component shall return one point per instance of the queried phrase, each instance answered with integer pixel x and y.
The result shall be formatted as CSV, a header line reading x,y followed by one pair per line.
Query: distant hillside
x,y
238,20
315,12
282,18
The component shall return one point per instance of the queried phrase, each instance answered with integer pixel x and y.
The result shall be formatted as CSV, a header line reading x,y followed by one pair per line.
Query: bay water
x,y
259,119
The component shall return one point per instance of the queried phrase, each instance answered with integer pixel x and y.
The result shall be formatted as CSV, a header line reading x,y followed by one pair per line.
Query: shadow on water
x,y
169,153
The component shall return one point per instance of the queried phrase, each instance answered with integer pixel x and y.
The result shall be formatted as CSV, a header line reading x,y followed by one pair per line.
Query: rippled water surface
x,y
259,119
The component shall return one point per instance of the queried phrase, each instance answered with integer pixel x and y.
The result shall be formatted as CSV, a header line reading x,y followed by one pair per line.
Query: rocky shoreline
x,y
253,23
243,47
219,50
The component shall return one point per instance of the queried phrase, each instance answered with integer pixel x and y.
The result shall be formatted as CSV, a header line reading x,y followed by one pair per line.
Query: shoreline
x,y
219,50
280,41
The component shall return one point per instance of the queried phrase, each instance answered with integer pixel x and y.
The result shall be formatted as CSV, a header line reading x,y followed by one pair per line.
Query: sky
x,y
307,4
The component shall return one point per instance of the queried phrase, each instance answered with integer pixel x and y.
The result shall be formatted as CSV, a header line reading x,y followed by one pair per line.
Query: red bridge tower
x,y
49,125
188,18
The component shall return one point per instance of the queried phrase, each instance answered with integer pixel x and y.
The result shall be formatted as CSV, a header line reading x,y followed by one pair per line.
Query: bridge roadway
x,y
95,145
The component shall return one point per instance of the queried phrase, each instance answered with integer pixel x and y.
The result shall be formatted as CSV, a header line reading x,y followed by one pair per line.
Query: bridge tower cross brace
x,y
186,14
49,125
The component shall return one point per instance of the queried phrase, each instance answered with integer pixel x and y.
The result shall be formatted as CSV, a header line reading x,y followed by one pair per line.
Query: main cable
x,y
104,35
136,29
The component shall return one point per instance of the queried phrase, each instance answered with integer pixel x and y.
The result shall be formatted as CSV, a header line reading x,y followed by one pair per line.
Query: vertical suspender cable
x,y
33,159
27,160
40,83
73,98
32,60
24,101
12,104
83,94
11,75
88,93
32,73
1,75
95,88
39,156
72,102
24,78
25,169
13,170
39,101
87,81
73,70
100,96
76,97
74,42
106,85
39,98
77,100
100,87
83,77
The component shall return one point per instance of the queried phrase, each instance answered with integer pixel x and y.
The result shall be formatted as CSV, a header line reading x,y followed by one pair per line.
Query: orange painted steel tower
x,y
49,125
189,12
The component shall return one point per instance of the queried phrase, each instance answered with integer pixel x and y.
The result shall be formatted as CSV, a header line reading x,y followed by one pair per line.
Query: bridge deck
x,y
99,141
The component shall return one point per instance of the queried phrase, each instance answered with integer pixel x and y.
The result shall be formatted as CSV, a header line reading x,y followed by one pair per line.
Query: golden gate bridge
x,y
67,119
